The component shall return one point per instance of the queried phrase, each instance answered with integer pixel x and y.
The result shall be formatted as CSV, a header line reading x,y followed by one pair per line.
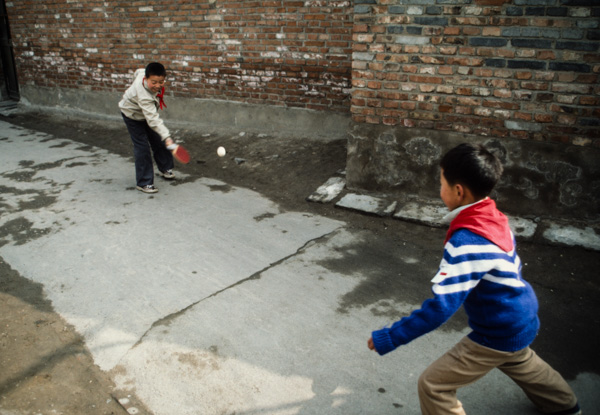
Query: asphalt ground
x,y
228,293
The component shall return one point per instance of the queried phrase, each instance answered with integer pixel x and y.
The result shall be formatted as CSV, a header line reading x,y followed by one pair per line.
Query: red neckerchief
x,y
485,220
160,96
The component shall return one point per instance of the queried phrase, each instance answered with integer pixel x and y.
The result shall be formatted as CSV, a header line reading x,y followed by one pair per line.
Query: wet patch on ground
x,y
223,188
264,216
19,200
75,164
21,176
20,231
391,274
27,291
61,144
565,280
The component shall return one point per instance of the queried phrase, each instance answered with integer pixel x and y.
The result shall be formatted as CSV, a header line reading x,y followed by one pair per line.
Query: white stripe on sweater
x,y
476,249
469,267
454,288
468,285
511,282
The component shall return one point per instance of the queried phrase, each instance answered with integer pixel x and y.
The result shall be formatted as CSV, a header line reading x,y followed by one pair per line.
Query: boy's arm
x,y
456,271
148,107
433,313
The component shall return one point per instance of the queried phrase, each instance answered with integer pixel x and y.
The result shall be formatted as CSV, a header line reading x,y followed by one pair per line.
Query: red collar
x,y
484,219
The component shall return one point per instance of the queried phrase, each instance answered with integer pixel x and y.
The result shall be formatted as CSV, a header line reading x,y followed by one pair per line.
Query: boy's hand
x,y
371,345
169,141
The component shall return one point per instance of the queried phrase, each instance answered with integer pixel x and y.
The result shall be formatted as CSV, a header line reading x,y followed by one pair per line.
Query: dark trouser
x,y
144,140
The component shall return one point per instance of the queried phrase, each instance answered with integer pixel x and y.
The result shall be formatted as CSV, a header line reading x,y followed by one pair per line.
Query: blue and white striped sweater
x,y
501,306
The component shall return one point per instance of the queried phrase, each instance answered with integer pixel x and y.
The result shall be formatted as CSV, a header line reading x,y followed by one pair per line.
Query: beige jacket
x,y
139,103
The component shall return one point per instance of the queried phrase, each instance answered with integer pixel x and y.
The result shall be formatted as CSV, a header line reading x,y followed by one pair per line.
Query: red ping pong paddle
x,y
179,153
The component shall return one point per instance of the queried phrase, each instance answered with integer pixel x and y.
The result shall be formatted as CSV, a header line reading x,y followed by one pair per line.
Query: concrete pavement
x,y
208,299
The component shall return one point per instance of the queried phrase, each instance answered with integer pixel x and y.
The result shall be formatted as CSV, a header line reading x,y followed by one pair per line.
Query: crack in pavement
x,y
257,275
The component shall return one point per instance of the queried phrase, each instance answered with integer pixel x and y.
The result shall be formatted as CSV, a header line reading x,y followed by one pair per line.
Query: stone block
x,y
570,235
328,190
428,214
367,204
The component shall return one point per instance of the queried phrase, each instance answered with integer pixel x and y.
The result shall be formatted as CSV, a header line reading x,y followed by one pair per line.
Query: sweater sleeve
x,y
147,104
433,313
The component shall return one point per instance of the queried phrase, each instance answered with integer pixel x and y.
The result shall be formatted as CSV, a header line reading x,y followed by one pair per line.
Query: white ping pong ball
x,y
221,151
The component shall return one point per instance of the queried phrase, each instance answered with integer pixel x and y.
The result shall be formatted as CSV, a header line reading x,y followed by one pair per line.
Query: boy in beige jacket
x,y
150,137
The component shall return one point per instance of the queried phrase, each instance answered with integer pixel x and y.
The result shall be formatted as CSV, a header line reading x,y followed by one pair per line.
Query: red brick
x,y
374,85
360,28
491,2
543,118
589,101
523,116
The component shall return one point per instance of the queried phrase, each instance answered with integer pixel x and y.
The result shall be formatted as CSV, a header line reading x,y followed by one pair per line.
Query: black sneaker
x,y
576,410
168,174
147,189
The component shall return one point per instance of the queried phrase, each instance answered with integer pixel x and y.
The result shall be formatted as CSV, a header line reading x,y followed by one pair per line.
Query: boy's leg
x,y
544,386
462,365
162,156
144,174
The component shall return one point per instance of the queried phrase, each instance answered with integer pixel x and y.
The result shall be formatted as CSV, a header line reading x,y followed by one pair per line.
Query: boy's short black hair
x,y
156,69
472,166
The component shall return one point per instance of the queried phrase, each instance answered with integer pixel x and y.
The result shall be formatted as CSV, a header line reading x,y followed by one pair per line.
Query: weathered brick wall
x,y
527,69
285,52
502,68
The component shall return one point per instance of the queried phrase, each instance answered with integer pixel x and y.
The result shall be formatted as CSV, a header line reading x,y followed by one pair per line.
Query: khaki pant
x,y
468,361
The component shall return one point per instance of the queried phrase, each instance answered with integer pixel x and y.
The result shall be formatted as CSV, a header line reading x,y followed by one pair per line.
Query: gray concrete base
x,y
202,113
543,179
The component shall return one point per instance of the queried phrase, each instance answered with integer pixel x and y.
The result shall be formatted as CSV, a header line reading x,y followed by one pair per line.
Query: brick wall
x,y
527,69
287,53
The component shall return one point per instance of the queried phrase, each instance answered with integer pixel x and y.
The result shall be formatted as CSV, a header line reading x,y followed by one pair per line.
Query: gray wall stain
x,y
550,180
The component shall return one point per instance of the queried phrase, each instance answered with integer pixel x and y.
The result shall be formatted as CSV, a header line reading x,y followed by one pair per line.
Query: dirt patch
x,y
45,366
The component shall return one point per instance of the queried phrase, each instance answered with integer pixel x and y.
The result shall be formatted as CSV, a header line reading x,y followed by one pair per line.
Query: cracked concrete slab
x,y
114,260
263,348
207,298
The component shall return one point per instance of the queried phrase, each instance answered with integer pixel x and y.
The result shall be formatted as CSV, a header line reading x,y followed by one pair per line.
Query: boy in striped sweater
x,y
481,271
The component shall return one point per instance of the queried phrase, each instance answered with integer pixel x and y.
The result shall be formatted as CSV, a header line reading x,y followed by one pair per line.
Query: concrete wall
x,y
540,179
202,114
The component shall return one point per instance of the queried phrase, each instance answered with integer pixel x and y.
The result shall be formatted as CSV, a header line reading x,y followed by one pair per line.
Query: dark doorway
x,y
10,90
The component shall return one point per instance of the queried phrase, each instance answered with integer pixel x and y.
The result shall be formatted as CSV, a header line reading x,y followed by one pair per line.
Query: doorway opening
x,y
9,89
